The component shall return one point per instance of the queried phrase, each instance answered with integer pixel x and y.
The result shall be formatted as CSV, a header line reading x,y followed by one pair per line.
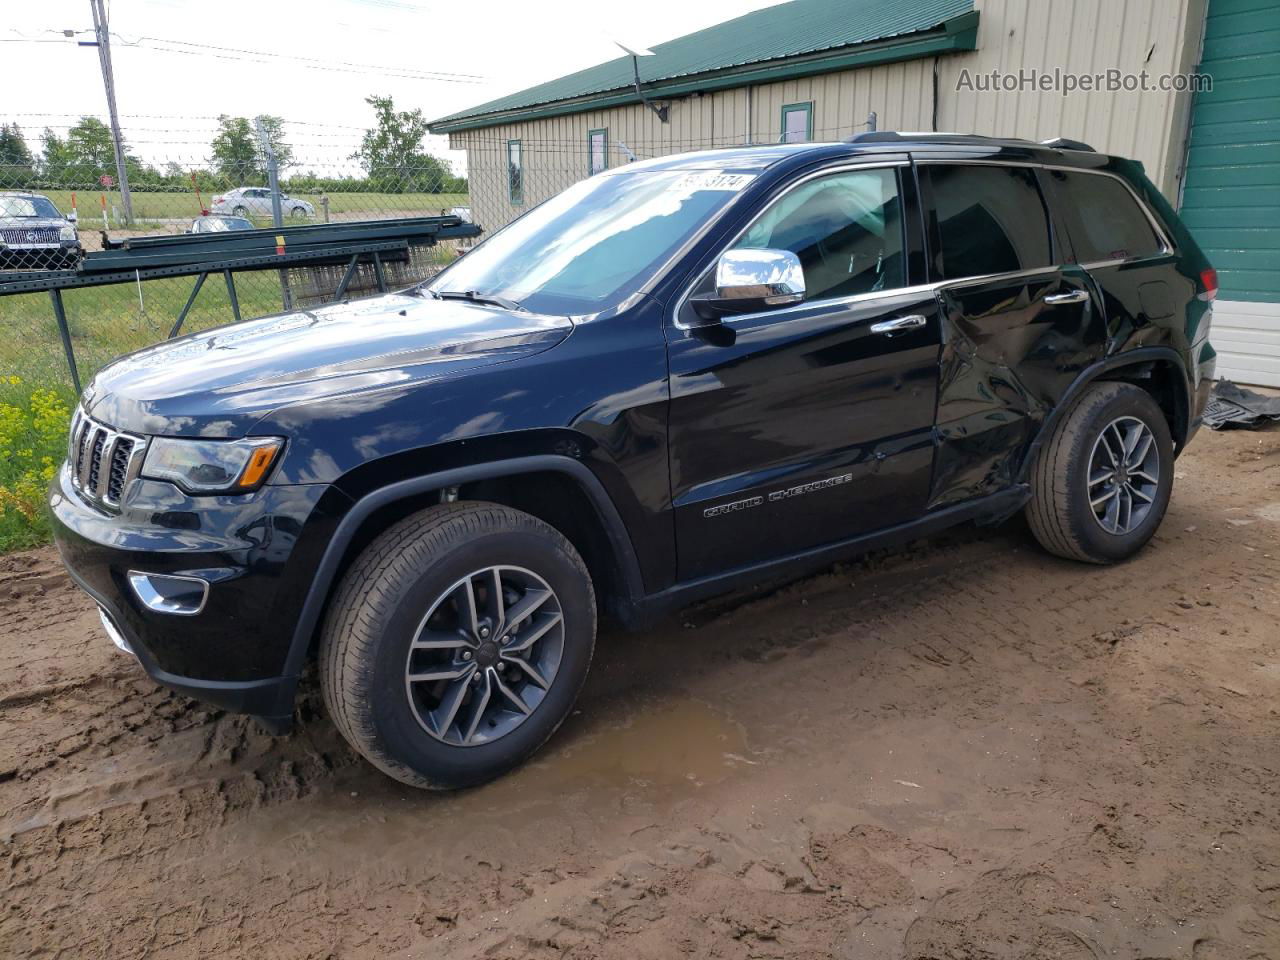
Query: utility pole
x,y
103,37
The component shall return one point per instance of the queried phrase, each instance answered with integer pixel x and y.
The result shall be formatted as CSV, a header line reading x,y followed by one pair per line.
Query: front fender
x,y
364,507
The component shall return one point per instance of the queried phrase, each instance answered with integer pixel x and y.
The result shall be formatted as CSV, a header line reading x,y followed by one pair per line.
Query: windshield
x,y
27,207
588,248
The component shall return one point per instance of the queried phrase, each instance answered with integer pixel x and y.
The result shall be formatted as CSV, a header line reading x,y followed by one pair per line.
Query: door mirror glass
x,y
749,280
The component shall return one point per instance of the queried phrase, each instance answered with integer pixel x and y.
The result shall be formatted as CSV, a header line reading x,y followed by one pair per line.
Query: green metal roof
x,y
799,38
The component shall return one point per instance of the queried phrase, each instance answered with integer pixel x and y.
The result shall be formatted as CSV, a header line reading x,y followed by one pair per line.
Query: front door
x,y
805,425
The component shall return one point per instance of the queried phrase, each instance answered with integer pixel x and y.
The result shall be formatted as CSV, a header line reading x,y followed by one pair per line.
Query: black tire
x,y
382,600
240,211
298,213
1060,513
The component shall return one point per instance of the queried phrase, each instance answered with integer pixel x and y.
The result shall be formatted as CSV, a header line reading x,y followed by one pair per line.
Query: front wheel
x,y
457,644
298,213
1102,481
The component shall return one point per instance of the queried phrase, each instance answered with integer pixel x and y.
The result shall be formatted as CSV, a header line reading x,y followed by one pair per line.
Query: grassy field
x,y
183,205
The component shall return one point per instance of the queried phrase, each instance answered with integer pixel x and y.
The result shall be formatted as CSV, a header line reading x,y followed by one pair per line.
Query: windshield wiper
x,y
475,296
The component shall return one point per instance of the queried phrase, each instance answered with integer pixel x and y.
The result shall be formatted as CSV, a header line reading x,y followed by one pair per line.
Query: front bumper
x,y
38,256
257,552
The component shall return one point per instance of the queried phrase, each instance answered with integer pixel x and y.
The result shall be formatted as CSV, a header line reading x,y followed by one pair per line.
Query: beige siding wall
x,y
1080,36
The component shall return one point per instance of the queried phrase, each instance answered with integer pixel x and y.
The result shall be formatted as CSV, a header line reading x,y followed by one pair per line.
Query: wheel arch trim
x,y
1094,372
322,583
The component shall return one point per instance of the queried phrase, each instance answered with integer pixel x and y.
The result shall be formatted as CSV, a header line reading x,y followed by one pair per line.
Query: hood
x,y
220,382
28,223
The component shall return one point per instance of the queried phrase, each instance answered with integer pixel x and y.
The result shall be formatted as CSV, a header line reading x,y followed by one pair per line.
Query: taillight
x,y
217,199
1208,283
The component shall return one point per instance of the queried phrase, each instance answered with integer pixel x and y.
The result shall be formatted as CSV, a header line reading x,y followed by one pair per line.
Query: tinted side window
x,y
1102,217
846,229
988,220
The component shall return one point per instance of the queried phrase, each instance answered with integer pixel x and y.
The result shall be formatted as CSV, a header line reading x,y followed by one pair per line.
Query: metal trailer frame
x,y
199,255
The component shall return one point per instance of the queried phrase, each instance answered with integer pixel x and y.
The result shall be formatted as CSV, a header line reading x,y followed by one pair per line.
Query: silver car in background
x,y
256,202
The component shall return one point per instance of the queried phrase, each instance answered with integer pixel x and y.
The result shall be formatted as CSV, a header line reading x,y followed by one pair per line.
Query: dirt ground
x,y
968,750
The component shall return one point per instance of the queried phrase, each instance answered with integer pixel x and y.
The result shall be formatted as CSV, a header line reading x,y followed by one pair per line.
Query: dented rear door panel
x,y
1009,353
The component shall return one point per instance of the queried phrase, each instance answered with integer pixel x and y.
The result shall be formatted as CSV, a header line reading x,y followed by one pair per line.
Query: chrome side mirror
x,y
750,280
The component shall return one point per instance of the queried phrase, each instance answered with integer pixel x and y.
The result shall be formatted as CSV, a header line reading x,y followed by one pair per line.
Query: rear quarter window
x,y
986,219
1102,218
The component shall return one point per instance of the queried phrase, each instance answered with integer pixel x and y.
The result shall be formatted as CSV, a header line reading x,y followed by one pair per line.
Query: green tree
x,y
391,152
55,158
17,166
91,147
85,155
237,155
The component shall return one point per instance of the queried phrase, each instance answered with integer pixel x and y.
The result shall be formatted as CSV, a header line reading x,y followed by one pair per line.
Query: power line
x,y
426,74
184,116
306,66
241,54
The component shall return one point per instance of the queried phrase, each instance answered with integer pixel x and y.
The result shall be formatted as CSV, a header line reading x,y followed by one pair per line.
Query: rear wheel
x,y
1102,481
240,211
457,644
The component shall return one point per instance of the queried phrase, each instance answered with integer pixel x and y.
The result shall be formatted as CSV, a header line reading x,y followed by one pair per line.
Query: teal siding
x,y
1231,197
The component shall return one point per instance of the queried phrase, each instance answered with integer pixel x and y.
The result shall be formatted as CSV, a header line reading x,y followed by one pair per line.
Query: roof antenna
x,y
660,110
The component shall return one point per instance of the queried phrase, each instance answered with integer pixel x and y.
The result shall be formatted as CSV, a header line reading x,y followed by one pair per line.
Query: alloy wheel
x,y
1124,475
485,655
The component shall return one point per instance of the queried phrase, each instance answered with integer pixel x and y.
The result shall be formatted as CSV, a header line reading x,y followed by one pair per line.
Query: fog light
x,y
166,593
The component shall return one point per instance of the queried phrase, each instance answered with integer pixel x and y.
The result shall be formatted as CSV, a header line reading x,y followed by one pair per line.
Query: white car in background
x,y
256,202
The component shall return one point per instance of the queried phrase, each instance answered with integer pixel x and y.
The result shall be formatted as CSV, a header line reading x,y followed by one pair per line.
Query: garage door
x,y
1231,195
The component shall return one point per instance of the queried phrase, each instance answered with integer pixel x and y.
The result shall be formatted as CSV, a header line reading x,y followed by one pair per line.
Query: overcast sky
x,y
440,56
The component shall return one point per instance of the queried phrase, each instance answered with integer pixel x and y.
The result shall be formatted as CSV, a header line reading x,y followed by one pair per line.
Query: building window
x,y
515,172
597,151
797,122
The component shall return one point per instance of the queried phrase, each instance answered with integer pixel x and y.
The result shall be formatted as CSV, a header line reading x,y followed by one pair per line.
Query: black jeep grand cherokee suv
x,y
673,379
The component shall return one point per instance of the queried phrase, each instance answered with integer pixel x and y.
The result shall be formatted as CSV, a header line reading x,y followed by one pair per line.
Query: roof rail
x,y
1062,143
893,136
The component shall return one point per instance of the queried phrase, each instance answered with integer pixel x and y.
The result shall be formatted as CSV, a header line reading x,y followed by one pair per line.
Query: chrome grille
x,y
21,236
102,461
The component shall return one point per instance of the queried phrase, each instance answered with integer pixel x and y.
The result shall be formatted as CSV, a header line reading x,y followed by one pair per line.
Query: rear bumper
x,y
1206,361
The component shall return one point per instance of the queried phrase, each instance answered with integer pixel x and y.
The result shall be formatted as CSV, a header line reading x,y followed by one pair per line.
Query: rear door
x,y
1018,321
1113,237
805,425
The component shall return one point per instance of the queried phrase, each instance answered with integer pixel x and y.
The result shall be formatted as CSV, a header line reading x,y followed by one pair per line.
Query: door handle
x,y
899,324
1072,296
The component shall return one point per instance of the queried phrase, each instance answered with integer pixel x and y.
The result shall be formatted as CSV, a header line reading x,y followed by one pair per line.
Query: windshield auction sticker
x,y
714,180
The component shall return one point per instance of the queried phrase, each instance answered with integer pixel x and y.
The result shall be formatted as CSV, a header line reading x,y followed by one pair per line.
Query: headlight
x,y
67,233
212,466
